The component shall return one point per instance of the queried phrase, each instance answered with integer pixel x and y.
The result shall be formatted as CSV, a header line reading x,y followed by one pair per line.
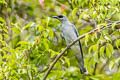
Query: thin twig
x,y
72,43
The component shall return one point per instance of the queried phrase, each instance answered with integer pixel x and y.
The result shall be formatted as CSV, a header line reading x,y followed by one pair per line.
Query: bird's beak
x,y
54,17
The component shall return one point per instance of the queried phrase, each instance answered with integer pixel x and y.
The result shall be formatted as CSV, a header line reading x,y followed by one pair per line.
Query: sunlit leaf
x,y
111,65
22,43
113,26
109,50
117,43
2,20
67,61
74,12
58,65
27,26
102,49
94,48
86,39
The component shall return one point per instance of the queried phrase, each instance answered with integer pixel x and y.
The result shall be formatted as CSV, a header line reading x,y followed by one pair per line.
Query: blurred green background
x,y
30,39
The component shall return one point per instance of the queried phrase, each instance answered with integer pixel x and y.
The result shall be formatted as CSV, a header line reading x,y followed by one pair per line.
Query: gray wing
x,y
77,34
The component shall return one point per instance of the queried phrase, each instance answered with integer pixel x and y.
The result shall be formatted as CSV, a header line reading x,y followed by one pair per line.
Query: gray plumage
x,y
70,33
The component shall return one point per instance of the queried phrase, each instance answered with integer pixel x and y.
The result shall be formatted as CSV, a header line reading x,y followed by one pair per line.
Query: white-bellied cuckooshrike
x,y
70,33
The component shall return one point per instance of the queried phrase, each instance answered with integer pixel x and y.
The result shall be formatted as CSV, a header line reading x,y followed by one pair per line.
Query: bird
x,y
70,33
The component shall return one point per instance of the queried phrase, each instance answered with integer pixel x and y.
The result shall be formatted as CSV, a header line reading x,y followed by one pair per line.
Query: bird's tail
x,y
79,56
80,60
84,71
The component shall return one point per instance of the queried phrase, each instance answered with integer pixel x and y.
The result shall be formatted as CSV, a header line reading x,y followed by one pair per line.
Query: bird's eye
x,y
60,16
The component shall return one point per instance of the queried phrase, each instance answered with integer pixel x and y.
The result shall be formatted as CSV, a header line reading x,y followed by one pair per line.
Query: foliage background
x,y
30,40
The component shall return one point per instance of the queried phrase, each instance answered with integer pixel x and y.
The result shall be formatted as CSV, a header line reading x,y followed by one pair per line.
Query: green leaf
x,y
102,49
111,65
113,26
16,30
22,43
51,34
6,49
94,48
5,35
58,65
94,36
90,49
74,12
41,28
0,37
18,27
2,20
96,57
3,42
5,30
3,2
86,39
57,74
117,43
117,61
53,53
94,14
67,60
101,25
108,37
109,50
73,3
48,20
45,42
27,26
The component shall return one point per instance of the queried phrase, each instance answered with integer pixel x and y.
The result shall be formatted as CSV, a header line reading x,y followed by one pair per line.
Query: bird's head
x,y
61,18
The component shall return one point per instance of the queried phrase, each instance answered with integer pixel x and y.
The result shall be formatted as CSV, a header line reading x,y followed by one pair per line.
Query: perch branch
x,y
72,43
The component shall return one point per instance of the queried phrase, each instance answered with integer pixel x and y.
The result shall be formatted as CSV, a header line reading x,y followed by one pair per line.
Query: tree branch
x,y
72,43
